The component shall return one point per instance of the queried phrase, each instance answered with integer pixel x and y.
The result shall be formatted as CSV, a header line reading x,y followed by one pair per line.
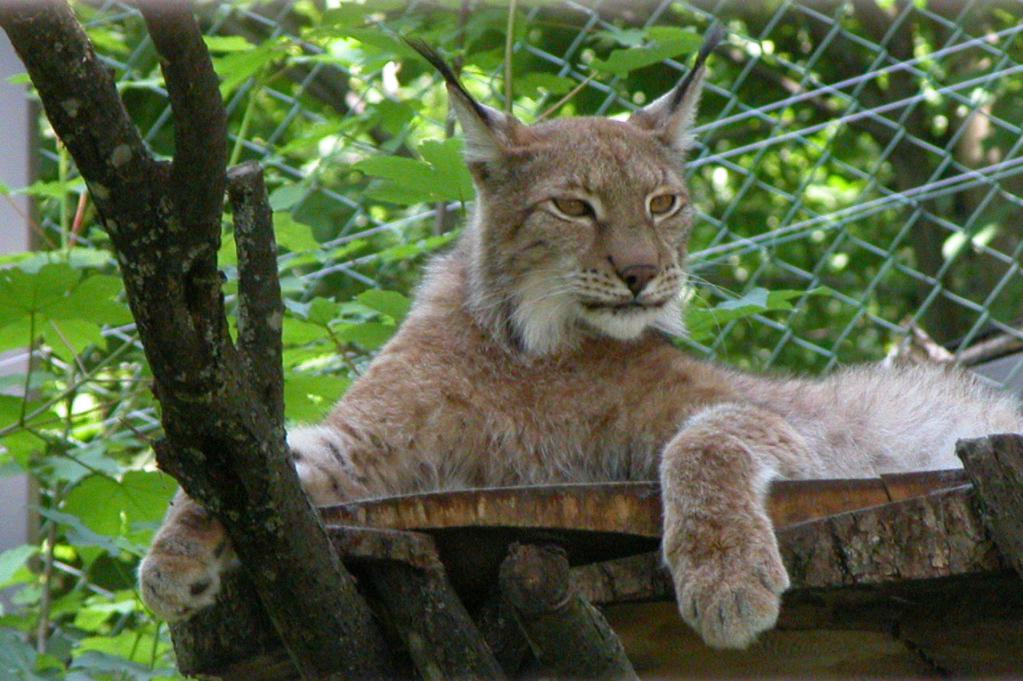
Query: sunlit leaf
x,y
369,335
703,322
12,560
112,507
391,303
667,43
308,397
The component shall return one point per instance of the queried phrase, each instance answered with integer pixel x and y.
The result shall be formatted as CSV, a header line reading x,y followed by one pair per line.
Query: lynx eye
x,y
662,204
574,208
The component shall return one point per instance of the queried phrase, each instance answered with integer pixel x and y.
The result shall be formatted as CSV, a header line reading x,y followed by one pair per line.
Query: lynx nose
x,y
636,277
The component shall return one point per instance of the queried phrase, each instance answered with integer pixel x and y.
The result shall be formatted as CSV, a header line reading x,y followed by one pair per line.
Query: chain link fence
x,y
872,148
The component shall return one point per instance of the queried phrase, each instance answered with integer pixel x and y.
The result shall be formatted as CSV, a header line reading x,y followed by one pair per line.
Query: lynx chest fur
x,y
473,414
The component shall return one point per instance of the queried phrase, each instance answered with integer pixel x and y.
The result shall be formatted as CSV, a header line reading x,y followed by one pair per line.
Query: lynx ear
x,y
671,116
488,132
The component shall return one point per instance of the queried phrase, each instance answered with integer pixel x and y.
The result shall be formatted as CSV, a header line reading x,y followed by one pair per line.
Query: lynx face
x,y
584,231
581,224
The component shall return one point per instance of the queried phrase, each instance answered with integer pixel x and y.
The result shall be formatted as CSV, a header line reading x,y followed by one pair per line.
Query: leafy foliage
x,y
351,127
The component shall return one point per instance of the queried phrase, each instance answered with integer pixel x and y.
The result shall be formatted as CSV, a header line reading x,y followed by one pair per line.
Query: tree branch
x,y
165,226
200,129
569,636
260,307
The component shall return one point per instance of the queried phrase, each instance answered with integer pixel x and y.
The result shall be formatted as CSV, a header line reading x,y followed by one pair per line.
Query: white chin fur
x,y
630,324
621,324
546,323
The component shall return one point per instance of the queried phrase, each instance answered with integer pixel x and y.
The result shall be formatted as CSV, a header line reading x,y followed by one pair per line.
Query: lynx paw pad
x,y
731,599
176,586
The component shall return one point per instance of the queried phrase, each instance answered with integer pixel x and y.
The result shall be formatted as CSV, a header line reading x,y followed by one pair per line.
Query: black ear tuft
x,y
431,55
711,40
488,133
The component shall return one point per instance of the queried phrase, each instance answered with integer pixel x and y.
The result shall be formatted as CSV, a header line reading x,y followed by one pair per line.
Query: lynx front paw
x,y
181,572
730,595
174,587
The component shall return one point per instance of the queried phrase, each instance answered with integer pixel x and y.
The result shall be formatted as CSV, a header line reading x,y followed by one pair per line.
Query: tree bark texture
x,y
224,439
995,464
409,582
568,635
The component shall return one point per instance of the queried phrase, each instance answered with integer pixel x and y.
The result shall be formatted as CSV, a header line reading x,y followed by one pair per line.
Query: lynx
x,y
537,352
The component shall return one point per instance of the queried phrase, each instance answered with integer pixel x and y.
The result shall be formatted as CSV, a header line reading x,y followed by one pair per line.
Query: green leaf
x,y
227,43
81,536
52,190
135,645
441,176
298,332
98,610
23,293
411,181
81,462
370,335
94,300
101,665
393,116
626,37
384,42
322,311
18,660
21,444
70,337
235,68
405,252
12,560
668,43
390,303
295,236
286,196
452,175
112,508
532,83
308,397
702,322
15,334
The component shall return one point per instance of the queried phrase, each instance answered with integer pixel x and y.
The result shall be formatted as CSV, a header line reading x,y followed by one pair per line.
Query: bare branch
x,y
260,307
200,122
568,634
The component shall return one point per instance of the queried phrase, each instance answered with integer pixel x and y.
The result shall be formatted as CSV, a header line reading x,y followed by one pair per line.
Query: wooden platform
x,y
891,576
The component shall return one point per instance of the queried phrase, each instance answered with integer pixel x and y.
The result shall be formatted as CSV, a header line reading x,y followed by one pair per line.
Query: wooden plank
x,y
632,508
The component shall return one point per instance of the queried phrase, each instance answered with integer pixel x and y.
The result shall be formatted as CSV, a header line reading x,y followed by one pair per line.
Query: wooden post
x,y
995,465
568,635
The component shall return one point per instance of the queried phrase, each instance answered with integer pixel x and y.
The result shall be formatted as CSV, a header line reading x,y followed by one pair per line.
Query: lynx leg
x,y
718,540
181,573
